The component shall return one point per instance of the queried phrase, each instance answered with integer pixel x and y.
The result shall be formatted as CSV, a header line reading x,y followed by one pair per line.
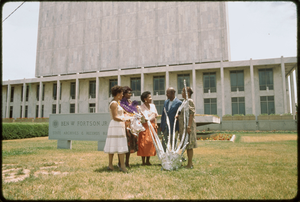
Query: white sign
x,y
86,127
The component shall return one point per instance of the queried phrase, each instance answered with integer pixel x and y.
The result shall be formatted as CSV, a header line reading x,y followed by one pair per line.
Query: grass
x,y
222,170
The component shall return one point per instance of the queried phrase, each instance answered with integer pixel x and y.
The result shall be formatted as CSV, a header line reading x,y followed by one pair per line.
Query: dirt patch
x,y
269,138
15,174
19,174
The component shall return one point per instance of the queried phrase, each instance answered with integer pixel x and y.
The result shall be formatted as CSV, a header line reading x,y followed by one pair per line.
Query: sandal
x,y
123,170
109,169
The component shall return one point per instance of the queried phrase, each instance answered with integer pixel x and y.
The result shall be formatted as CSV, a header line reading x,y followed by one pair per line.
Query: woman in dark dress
x,y
129,107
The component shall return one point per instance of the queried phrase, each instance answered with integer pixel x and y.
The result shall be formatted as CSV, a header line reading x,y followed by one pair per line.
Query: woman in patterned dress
x,y
129,108
145,143
116,141
191,128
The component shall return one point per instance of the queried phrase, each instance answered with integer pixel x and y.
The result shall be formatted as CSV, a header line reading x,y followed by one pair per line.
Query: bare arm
x,y
114,111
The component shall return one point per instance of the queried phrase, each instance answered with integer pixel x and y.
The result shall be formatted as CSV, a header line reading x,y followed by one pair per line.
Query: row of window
x,y
209,84
210,106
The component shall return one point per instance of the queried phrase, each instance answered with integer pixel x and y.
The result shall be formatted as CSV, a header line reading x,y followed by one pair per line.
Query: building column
x,y
283,84
167,77
57,96
194,84
76,95
24,99
119,77
40,99
97,94
8,99
295,86
287,94
142,80
292,94
222,89
252,87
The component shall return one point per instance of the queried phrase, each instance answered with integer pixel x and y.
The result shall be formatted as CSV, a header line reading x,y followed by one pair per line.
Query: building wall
x,y
172,72
89,36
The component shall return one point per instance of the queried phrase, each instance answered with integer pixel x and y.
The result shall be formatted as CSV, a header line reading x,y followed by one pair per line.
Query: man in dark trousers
x,y
171,105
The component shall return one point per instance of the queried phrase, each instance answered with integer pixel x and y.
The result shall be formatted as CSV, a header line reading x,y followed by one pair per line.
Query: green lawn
x,y
255,166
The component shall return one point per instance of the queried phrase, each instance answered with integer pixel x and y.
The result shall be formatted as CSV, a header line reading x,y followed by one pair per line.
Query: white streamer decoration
x,y
171,158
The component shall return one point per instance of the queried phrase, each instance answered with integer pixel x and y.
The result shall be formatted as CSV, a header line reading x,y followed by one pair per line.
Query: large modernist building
x,y
85,48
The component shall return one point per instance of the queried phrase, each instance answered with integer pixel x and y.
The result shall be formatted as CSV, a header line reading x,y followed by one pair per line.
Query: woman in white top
x,y
145,143
116,141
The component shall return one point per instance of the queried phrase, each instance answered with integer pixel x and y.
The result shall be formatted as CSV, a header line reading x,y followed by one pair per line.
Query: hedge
x,y
24,130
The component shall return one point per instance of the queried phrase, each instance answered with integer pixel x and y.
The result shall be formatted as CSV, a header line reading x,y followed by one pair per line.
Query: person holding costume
x,y
130,107
145,143
116,141
191,127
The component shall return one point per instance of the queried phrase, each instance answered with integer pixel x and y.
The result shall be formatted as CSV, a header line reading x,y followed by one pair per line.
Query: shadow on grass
x,y
104,169
132,166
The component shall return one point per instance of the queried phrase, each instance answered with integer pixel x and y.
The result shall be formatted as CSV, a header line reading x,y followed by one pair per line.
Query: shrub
x,y
274,114
238,115
227,115
24,130
263,115
250,115
287,114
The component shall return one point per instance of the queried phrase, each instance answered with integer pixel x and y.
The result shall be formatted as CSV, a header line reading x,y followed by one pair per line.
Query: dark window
x,y
59,108
21,111
72,108
12,89
60,90
159,104
92,107
210,106
267,105
54,109
37,92
92,89
237,80
265,79
54,95
159,85
135,85
73,90
22,94
112,83
42,111
238,105
43,92
180,81
27,93
37,111
11,112
26,111
209,80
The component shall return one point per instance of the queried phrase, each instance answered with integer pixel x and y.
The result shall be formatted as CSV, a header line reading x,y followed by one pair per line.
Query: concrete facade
x,y
94,36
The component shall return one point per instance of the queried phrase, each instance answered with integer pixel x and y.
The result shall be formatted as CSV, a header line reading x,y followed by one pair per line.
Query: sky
x,y
258,30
